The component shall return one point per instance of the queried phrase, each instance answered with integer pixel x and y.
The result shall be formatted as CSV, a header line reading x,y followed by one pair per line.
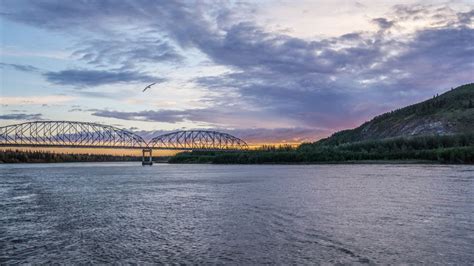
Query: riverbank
x,y
19,156
374,162
455,149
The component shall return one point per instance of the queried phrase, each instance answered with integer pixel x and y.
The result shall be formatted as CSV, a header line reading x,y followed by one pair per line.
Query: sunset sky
x,y
264,71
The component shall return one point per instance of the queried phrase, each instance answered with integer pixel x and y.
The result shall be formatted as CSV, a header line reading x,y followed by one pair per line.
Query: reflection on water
x,y
123,212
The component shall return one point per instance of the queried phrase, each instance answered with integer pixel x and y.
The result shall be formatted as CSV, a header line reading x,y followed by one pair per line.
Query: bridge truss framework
x,y
69,134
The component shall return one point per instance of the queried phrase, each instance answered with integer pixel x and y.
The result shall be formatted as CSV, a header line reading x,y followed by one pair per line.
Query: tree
x,y
470,103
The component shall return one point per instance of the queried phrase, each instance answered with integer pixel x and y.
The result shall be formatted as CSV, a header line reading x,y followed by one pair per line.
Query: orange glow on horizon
x,y
117,152
129,152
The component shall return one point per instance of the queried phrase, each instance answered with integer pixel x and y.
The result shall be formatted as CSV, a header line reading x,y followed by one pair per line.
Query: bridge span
x,y
70,134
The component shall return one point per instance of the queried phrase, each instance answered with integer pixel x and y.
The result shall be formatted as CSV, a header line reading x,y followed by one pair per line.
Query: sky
x,y
264,71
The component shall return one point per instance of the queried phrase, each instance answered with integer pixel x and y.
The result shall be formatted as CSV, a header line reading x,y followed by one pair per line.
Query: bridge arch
x,y
68,134
72,134
197,140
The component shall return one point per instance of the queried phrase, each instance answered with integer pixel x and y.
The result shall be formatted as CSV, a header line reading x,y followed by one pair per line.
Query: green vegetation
x,y
439,130
446,114
17,156
441,149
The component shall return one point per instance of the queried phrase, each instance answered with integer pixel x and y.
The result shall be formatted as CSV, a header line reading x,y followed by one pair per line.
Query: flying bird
x,y
149,86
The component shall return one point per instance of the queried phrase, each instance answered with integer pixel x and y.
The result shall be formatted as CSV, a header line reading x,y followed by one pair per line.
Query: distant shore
x,y
449,149
334,162
18,156
312,163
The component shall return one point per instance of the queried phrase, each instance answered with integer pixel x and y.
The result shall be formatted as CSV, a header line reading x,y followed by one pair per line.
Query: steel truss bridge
x,y
68,134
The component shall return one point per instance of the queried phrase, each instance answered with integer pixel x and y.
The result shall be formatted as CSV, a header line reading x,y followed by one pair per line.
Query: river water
x,y
236,214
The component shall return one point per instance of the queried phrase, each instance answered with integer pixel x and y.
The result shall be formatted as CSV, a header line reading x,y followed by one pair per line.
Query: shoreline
x,y
366,162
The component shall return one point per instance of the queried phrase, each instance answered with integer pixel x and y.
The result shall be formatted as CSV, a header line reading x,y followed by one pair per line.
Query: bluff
x,y
447,114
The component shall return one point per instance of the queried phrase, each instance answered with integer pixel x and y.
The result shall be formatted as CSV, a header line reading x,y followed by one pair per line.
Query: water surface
x,y
245,214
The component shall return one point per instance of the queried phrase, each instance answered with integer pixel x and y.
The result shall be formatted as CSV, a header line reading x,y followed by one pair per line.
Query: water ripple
x,y
208,214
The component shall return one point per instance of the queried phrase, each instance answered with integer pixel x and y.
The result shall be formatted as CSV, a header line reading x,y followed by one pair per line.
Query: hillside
x,y
446,114
438,130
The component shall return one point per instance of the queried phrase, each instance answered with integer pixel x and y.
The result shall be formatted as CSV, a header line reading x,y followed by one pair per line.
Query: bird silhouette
x,y
149,86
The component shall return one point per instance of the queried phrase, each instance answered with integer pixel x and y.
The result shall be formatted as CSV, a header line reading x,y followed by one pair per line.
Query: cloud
x,y
61,14
18,67
383,23
466,18
325,83
278,135
36,100
167,116
359,5
332,82
432,15
412,12
90,78
255,136
21,116
228,116
129,52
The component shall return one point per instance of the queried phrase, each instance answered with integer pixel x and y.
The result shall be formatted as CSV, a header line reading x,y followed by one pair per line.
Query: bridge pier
x,y
147,161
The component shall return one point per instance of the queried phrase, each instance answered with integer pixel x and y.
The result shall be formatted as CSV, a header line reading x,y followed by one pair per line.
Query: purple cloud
x,y
329,83
79,77
21,116
383,23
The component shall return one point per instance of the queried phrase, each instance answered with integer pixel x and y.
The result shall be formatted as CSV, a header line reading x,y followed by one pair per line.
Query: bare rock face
x,y
426,128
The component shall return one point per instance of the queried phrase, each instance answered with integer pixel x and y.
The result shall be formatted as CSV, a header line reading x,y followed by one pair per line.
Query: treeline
x,y
443,149
18,156
399,144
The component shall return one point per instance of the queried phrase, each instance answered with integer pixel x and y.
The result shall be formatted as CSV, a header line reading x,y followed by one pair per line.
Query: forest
x,y
453,149
19,156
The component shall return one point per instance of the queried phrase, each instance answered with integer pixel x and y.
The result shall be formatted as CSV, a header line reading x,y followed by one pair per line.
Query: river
x,y
236,214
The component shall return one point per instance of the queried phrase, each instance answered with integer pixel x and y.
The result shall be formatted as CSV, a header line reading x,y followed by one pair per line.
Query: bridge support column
x,y
147,157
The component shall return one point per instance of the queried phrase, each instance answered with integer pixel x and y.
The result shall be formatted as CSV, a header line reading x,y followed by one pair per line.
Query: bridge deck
x,y
112,147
